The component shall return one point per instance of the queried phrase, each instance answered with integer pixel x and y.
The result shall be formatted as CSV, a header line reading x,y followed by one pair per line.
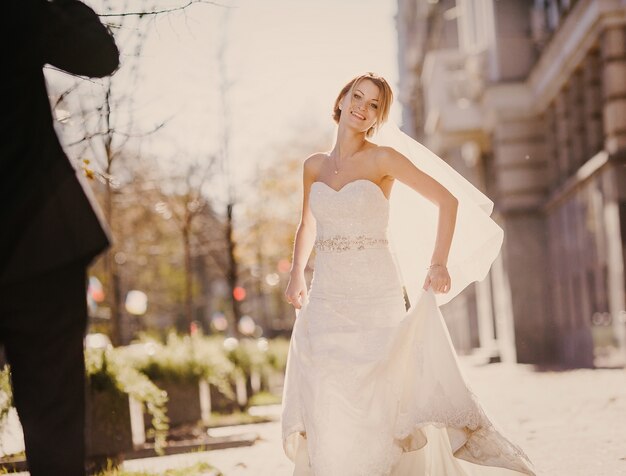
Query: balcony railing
x,y
547,17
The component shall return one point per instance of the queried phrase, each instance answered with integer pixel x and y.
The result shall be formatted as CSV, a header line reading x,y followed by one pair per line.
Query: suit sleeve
x,y
74,40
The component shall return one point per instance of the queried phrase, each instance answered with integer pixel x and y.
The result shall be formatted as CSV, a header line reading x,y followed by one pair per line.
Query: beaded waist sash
x,y
346,243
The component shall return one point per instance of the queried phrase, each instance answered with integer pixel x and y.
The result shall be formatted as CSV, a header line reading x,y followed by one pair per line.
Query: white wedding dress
x,y
370,388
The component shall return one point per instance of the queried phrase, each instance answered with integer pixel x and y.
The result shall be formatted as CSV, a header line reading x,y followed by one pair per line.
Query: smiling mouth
x,y
357,115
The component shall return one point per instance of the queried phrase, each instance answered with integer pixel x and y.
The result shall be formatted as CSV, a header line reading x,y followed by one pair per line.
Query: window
x,y
476,24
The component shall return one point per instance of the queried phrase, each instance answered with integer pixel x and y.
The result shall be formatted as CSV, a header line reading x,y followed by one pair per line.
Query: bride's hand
x,y
296,291
438,279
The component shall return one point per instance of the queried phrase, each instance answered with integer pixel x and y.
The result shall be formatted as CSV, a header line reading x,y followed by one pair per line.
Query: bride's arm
x,y
305,238
395,165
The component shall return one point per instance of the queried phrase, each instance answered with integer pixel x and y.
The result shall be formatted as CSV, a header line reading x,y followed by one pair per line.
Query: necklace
x,y
335,164
334,159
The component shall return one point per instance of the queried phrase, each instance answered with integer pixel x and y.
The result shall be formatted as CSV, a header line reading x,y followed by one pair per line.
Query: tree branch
x,y
166,10
111,132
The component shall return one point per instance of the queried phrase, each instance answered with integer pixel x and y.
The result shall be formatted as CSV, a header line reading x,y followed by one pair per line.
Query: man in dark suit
x,y
49,231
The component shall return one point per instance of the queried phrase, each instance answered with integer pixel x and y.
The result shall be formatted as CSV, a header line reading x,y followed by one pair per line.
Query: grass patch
x,y
198,469
235,418
264,398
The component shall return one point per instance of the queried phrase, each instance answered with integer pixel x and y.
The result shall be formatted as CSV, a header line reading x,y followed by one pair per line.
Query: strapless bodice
x,y
353,217
353,259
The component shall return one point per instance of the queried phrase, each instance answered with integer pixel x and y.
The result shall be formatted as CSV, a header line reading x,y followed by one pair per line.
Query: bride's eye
x,y
374,106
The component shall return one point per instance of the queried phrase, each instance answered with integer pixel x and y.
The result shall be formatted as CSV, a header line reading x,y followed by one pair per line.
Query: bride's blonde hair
x,y
384,101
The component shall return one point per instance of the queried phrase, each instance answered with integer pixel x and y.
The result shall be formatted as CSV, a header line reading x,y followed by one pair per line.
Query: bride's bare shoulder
x,y
383,153
313,163
316,158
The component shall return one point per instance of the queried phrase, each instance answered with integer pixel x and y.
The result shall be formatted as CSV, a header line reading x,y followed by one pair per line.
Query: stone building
x,y
527,98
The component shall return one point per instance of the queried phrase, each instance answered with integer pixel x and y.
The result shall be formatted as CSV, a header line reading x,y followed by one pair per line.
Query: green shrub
x,y
109,371
183,359
248,356
277,350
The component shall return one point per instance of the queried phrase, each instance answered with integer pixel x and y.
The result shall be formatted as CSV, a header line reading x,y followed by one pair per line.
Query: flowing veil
x,y
413,223
436,391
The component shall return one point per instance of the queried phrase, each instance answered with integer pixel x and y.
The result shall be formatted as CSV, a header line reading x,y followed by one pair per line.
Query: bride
x,y
373,386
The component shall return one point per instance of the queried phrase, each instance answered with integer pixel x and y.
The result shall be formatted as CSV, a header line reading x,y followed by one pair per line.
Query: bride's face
x,y
361,109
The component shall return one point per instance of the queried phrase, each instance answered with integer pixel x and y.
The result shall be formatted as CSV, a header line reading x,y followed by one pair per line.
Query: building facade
x,y
528,100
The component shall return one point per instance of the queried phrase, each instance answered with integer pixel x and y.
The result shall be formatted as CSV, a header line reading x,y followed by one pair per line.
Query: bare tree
x,y
184,199
103,131
232,274
105,124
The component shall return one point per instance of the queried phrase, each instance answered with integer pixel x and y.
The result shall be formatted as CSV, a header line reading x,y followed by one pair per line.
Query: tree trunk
x,y
188,279
232,268
260,295
111,265
113,284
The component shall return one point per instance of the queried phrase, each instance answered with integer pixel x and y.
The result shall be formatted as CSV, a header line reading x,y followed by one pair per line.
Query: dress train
x,y
439,428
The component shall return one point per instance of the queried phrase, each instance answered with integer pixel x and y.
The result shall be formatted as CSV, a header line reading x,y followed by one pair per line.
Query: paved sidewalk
x,y
264,458
570,423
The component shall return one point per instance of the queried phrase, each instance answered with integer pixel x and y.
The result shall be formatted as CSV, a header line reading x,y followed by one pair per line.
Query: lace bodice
x,y
351,242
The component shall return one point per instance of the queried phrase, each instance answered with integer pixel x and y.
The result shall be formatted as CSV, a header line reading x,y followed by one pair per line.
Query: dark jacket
x,y
46,219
